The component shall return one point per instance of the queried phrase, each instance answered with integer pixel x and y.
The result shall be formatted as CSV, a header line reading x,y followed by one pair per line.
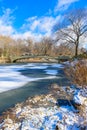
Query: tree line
x,y
46,46
68,36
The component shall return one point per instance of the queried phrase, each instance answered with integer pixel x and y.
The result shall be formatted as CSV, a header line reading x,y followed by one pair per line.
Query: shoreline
x,y
43,112
7,60
58,109
6,63
42,100
10,98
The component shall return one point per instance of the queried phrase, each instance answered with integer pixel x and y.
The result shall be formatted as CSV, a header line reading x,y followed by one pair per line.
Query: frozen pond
x,y
19,81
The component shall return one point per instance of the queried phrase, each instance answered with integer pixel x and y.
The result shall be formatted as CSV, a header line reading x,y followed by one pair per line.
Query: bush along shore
x,y
63,108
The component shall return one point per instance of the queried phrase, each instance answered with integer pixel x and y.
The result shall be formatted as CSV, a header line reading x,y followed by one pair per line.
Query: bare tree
x,y
29,46
73,28
44,47
5,42
64,50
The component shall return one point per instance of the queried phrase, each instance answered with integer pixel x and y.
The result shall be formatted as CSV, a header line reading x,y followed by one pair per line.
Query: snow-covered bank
x,y
63,108
42,113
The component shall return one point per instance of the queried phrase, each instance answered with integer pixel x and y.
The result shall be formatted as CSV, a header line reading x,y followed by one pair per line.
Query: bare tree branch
x,y
74,27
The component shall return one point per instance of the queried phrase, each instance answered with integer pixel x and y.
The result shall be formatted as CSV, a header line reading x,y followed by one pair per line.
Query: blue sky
x,y
33,18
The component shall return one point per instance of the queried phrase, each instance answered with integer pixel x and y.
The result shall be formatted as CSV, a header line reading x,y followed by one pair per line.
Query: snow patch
x,y
51,72
80,96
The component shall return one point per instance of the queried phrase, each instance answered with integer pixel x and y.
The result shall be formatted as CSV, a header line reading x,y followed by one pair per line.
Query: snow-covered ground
x,y
42,113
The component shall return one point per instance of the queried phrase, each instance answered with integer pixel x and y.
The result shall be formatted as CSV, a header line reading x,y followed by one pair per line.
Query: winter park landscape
x,y
43,65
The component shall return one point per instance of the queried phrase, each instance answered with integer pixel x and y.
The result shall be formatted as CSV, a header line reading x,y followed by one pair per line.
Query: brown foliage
x,y
78,73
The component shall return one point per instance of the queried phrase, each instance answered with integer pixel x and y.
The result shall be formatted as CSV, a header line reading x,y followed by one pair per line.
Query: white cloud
x,y
27,34
34,24
64,4
6,20
83,42
30,19
36,28
42,25
7,17
6,30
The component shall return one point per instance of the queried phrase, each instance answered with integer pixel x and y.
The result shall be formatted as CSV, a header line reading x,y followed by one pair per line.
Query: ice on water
x,y
12,78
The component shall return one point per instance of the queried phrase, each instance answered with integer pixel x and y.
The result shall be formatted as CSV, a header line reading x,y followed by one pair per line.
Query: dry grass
x,y
78,73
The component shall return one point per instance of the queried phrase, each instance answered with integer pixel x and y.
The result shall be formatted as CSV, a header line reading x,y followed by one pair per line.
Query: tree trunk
x,y
76,47
76,51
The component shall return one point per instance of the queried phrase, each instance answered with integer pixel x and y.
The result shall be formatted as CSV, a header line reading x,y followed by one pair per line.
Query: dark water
x,y
42,76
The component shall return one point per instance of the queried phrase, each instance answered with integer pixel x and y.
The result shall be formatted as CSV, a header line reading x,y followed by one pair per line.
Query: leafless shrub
x,y
78,73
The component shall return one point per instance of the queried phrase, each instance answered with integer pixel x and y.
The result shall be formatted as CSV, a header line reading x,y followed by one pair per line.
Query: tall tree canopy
x,y
73,28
